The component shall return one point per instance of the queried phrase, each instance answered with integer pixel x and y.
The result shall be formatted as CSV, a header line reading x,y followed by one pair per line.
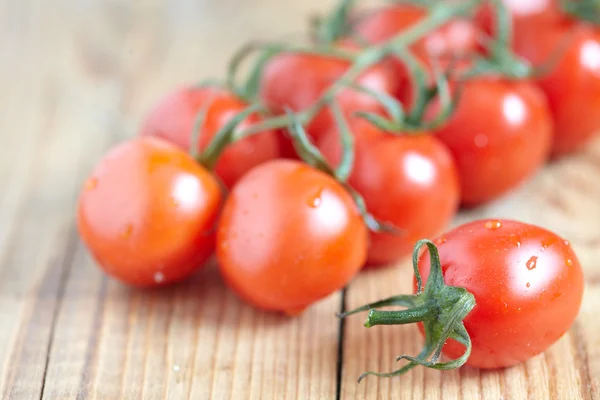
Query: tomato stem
x,y
439,307
586,10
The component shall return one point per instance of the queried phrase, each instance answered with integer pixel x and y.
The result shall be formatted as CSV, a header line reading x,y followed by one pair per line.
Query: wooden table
x,y
77,77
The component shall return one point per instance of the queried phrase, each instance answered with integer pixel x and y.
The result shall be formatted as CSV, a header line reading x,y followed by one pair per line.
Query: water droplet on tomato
x,y
493,224
315,200
518,309
159,277
531,263
127,231
568,262
556,295
91,184
440,240
504,307
548,242
528,284
514,240
567,243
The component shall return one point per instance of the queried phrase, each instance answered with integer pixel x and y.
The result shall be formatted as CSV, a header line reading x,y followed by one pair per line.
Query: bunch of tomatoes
x,y
345,153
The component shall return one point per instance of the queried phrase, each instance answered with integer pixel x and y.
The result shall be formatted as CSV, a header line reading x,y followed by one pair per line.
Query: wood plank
x,y
195,340
563,197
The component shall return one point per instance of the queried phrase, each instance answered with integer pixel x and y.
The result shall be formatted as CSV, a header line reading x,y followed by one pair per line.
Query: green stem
x,y
408,316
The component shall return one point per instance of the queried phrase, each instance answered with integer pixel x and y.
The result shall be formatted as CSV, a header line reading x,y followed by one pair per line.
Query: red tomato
x,y
174,118
148,211
288,236
573,85
297,81
499,135
408,180
457,36
527,283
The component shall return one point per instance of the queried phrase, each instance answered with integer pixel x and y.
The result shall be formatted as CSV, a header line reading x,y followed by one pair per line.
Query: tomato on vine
x,y
297,81
289,235
497,292
148,211
174,118
572,82
408,180
458,36
499,134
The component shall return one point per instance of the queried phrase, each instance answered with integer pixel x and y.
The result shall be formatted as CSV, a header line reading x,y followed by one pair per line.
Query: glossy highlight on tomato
x,y
148,211
289,235
408,180
527,283
298,80
499,134
174,119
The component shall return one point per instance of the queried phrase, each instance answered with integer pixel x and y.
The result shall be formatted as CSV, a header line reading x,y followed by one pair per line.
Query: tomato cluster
x,y
346,153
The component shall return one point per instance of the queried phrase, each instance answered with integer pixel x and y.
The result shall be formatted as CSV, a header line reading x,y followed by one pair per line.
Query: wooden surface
x,y
78,76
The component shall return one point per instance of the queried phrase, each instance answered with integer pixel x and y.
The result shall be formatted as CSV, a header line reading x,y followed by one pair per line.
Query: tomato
x,y
458,36
500,134
174,117
572,86
527,283
288,236
297,81
147,213
408,180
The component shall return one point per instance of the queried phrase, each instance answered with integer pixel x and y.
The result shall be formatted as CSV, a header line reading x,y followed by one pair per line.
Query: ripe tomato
x,y
297,81
527,283
147,213
499,135
572,86
456,37
409,181
174,117
288,236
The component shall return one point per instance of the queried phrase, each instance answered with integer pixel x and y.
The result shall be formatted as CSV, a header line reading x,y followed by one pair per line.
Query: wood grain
x,y
77,77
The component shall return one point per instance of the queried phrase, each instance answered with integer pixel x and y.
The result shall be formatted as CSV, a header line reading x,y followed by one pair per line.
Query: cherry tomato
x,y
408,180
297,81
456,37
288,236
500,134
174,117
527,283
572,86
147,213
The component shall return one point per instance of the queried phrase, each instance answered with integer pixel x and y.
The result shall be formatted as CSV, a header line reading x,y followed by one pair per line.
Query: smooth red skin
x,y
148,208
495,147
511,321
408,180
573,86
456,37
298,80
174,118
289,235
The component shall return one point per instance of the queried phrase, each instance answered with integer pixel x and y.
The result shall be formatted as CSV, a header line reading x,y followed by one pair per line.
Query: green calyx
x,y
439,307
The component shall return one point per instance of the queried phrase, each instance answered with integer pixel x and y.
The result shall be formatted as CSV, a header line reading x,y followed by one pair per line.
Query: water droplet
x,y
91,184
127,231
504,307
514,240
518,309
548,242
531,263
567,243
528,284
568,262
176,368
481,140
315,200
441,240
556,295
493,224
159,277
